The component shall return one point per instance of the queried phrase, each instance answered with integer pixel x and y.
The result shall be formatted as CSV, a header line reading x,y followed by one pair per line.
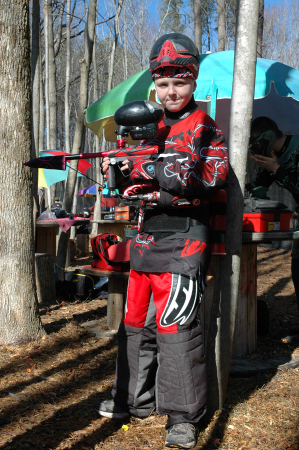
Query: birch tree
x,y
226,293
19,320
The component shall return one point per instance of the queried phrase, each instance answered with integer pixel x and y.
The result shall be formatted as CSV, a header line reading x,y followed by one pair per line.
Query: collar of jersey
x,y
183,113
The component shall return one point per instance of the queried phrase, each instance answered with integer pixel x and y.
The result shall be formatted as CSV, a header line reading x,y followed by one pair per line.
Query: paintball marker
x,y
138,118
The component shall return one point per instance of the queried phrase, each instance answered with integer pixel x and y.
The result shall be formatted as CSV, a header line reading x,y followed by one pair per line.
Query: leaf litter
x,y
49,387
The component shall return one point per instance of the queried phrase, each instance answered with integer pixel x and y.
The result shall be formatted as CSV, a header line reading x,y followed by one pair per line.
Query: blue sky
x,y
272,2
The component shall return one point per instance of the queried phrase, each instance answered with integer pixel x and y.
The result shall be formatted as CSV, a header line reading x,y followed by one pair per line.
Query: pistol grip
x,y
111,178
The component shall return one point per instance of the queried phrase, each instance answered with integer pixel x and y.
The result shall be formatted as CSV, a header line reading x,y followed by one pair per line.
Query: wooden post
x,y
83,244
44,278
115,307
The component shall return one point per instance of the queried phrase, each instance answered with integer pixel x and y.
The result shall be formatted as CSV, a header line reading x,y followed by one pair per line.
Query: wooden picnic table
x,y
46,235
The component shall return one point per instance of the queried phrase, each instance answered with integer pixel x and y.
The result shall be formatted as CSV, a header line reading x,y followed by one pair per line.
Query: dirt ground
x,y
48,388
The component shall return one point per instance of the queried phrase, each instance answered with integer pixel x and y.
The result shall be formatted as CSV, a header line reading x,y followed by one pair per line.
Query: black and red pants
x,y
160,360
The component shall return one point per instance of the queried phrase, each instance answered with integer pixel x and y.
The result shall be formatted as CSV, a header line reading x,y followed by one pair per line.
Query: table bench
x,y
117,287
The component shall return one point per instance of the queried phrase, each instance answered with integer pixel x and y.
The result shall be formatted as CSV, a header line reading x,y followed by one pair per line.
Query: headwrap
x,y
173,72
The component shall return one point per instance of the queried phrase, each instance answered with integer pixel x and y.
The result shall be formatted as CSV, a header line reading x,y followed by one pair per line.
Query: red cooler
x,y
265,215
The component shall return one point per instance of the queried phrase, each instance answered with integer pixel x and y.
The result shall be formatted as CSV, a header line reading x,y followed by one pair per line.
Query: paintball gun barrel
x,y
138,118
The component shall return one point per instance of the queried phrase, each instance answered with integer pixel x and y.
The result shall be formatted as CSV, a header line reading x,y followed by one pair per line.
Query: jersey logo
x,y
191,247
181,301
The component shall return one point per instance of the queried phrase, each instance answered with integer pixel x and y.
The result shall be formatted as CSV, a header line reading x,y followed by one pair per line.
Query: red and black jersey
x,y
193,153
192,161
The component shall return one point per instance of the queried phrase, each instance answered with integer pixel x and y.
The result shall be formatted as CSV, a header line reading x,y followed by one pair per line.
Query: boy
x,y
160,355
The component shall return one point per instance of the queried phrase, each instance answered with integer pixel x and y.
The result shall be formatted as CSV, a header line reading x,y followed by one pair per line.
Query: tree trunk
x,y
19,320
58,36
197,25
221,25
97,214
77,143
35,83
67,79
41,134
114,43
260,30
225,300
51,102
45,278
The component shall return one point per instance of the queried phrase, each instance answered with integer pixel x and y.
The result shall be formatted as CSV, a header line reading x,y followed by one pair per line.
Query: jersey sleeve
x,y
289,179
204,168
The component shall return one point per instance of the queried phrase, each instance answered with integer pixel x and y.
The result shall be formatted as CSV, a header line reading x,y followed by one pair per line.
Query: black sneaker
x,y
109,409
181,435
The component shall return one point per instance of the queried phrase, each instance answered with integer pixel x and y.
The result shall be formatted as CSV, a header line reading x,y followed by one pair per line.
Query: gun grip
x,y
111,178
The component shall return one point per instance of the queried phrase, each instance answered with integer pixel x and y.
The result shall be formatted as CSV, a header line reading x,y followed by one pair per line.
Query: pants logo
x,y
181,301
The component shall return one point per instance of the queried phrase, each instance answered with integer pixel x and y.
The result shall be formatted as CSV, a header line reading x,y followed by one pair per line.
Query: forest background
x,y
124,33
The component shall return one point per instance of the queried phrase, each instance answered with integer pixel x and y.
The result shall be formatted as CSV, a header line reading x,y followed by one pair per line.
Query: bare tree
x,y
35,83
260,30
221,25
85,63
50,86
19,320
281,33
197,24
67,79
226,294
118,8
99,177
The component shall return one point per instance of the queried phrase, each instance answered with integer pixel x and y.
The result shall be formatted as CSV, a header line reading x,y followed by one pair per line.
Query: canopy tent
x,y
276,94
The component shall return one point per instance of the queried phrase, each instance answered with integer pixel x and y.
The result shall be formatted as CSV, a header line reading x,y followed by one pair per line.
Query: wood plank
x,y
46,240
103,273
113,226
240,337
252,299
243,367
248,236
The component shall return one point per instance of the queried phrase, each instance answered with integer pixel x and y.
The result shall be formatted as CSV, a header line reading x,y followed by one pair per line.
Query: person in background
x,y
278,155
56,205
160,361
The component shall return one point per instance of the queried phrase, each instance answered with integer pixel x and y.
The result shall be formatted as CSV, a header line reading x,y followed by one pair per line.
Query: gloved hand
x,y
167,199
141,168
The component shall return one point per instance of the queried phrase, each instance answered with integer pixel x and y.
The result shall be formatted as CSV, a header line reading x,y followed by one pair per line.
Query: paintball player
x,y
56,205
160,361
278,155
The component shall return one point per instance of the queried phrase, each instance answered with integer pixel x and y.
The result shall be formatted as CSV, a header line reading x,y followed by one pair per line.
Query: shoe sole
x,y
111,415
186,446
180,446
